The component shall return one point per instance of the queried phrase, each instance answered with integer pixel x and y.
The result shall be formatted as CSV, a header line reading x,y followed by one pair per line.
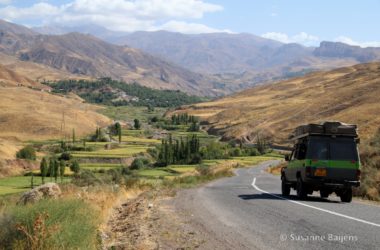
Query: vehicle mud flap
x,y
301,189
285,188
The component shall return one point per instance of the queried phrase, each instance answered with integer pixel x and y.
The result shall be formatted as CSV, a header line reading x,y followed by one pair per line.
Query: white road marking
x,y
317,208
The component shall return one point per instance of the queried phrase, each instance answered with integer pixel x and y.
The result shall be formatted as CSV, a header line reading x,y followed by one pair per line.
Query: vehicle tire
x,y
324,194
285,188
346,195
301,189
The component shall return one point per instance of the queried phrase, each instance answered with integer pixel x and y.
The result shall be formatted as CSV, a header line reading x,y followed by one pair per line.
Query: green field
x,y
123,152
93,166
19,184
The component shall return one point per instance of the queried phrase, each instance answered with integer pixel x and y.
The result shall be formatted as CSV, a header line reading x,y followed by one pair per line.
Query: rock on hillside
x,y
341,50
48,190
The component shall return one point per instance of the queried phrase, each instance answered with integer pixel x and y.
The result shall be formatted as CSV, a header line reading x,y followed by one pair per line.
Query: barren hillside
x,y
348,94
27,114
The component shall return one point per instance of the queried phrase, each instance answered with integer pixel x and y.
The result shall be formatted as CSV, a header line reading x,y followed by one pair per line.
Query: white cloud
x,y
5,1
33,12
273,14
350,41
302,38
121,15
188,28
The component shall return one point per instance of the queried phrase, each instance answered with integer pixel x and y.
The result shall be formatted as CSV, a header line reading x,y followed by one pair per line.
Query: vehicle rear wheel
x,y
301,189
285,188
324,194
346,195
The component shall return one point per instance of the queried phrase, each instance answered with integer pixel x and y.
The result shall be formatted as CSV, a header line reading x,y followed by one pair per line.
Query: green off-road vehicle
x,y
325,159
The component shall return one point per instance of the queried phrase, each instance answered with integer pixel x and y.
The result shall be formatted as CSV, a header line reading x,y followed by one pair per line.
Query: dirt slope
x,y
348,94
27,114
11,78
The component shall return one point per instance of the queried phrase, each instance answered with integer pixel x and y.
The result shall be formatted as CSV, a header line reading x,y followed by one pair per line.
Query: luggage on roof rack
x,y
325,128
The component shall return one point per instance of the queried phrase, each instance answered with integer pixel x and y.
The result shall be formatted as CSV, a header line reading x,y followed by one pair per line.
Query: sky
x,y
307,22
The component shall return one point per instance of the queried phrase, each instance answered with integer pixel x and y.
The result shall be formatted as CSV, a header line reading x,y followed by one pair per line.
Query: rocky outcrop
x,y
48,190
341,50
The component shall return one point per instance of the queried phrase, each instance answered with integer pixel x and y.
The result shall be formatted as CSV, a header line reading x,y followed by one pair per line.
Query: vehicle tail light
x,y
358,173
308,171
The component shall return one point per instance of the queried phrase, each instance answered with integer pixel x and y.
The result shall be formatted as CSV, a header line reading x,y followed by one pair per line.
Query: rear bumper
x,y
332,184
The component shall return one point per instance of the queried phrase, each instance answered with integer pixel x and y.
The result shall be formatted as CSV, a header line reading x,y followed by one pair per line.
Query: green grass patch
x,y
133,139
19,184
71,224
123,152
99,165
157,172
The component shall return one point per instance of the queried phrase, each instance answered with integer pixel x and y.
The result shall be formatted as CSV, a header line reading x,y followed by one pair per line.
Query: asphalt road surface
x,y
247,211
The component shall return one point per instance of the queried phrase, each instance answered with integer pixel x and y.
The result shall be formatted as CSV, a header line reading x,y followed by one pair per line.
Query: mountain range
x,y
205,64
79,55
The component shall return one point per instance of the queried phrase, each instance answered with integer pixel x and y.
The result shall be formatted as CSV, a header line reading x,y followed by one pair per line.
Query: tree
x,y
194,127
32,180
62,167
118,130
51,168
261,144
56,169
43,169
75,167
28,153
137,124
73,136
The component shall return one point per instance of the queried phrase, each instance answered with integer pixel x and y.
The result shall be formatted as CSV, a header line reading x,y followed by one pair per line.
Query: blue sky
x,y
303,21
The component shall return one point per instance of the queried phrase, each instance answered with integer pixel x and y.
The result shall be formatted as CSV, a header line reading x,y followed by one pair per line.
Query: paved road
x,y
247,212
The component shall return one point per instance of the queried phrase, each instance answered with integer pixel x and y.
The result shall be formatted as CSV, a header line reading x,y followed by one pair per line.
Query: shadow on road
x,y
264,196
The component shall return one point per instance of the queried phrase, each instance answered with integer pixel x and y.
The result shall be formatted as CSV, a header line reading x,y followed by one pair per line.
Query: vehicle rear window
x,y
318,149
322,148
343,150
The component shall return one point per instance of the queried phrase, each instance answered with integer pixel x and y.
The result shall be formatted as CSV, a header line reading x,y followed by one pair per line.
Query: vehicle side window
x,y
302,148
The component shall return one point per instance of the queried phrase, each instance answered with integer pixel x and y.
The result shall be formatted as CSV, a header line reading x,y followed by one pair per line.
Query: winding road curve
x,y
247,211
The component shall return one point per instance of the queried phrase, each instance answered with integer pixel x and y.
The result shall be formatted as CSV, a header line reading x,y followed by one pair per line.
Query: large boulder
x,y
48,190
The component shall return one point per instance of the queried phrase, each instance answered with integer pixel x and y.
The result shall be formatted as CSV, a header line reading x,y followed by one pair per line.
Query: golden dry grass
x,y
348,94
27,114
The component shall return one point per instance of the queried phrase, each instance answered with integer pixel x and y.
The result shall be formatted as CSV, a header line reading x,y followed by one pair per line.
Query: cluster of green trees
x,y
53,167
115,130
100,136
183,119
179,151
94,91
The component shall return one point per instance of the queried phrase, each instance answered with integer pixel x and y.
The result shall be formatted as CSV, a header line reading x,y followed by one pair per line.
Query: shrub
x,y
137,163
28,153
236,152
86,178
66,156
75,167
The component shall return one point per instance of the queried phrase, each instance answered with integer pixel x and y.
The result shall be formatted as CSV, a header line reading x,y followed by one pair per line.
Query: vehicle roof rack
x,y
329,128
